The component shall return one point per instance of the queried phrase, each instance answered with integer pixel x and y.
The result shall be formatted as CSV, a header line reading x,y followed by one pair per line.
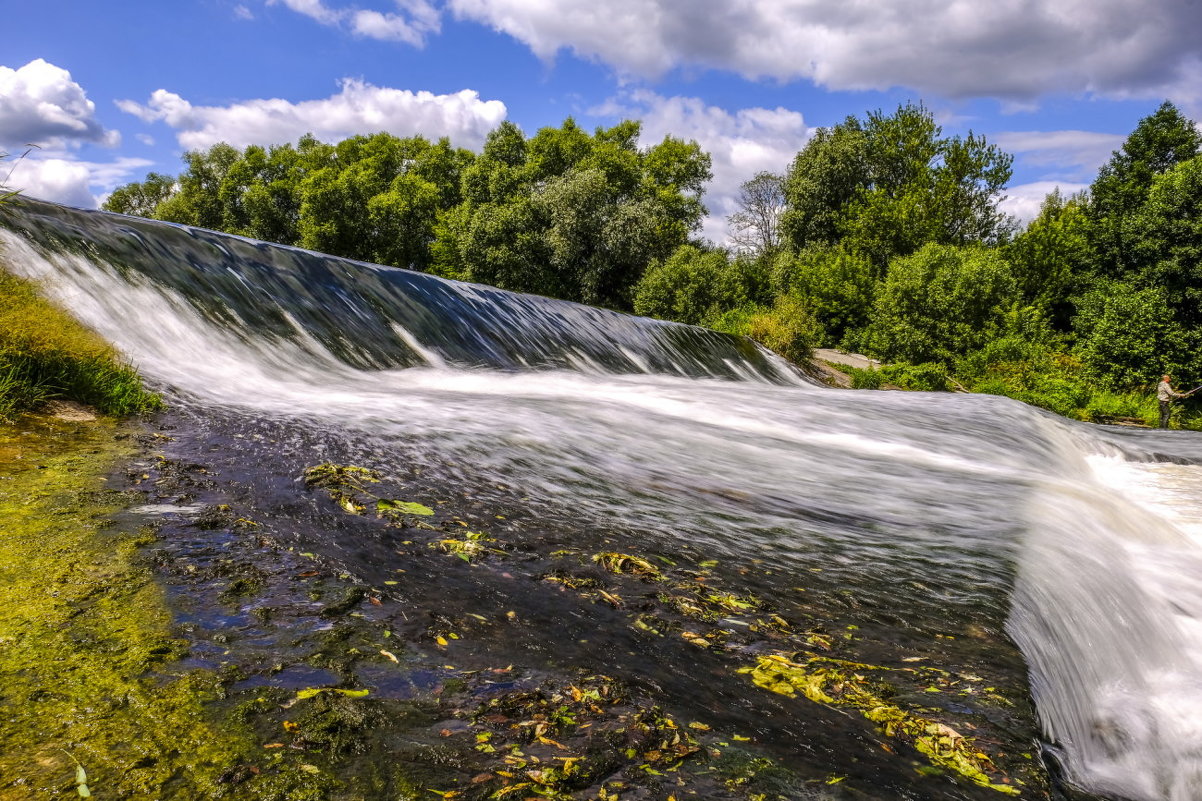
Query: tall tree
x,y
1053,255
889,184
1159,142
755,227
570,214
141,199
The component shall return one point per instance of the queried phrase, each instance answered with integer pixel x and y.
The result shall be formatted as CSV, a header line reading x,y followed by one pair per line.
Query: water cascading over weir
x,y
961,550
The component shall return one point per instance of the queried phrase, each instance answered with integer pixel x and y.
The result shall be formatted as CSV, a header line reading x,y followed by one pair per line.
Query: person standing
x,y
1165,394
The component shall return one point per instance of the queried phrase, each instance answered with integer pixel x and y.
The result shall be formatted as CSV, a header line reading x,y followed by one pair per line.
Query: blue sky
x,y
113,90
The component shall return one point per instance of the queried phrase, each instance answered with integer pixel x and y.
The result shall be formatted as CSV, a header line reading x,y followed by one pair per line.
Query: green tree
x,y
693,286
836,285
572,215
1169,240
141,199
1126,335
1052,256
887,185
1159,142
198,201
939,303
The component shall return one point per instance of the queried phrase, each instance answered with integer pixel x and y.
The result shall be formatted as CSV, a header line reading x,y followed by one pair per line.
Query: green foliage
x,y
939,303
927,377
786,328
1051,257
889,184
46,354
864,379
695,285
1169,240
573,215
837,286
1105,407
1160,142
141,199
1026,371
1126,335
376,198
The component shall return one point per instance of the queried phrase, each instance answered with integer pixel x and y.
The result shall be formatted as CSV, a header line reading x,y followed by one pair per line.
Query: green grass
x,y
45,354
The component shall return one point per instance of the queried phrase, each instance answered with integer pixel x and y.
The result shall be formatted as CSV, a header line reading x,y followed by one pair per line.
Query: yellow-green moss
x,y
86,648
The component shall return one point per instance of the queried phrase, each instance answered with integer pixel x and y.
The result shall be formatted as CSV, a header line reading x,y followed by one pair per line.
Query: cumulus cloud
x,y
741,143
40,104
410,23
1010,49
358,108
1075,155
62,179
1023,200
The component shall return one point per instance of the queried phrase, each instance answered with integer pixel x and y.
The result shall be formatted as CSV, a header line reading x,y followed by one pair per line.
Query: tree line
x,y
884,236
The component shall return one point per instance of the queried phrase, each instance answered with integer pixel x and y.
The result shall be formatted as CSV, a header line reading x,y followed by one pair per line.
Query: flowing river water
x,y
935,513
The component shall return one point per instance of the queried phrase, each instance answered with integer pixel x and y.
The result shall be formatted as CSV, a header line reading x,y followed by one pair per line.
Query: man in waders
x,y
1165,394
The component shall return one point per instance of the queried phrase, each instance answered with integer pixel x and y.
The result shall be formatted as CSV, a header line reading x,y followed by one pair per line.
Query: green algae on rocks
x,y
86,648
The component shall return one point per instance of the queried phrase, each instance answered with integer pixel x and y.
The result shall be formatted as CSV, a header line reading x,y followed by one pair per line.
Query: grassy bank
x,y
45,354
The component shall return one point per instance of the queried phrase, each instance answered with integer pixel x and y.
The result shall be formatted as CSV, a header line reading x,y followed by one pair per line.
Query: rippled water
x,y
941,512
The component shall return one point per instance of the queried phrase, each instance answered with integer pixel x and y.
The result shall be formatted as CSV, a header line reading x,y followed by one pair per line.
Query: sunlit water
x,y
937,507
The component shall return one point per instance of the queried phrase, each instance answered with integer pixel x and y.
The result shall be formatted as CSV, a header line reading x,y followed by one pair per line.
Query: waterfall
x,y
939,513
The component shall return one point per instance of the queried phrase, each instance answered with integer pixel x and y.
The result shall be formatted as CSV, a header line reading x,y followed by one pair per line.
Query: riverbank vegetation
x,y
884,236
45,354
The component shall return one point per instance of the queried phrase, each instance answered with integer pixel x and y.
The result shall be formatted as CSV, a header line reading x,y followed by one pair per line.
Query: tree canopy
x,y
890,183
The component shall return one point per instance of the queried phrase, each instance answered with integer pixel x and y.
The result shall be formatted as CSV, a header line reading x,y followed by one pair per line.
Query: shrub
x,y
940,303
787,328
836,284
864,379
926,377
692,286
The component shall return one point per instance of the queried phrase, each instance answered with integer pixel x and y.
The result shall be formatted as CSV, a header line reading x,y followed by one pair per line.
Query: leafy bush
x,y
787,328
836,284
864,379
1126,336
694,285
45,354
926,377
940,303
1104,407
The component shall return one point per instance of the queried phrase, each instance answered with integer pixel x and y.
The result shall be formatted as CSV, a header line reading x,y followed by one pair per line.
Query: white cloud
x,y
1076,155
62,179
359,108
242,12
741,143
1011,49
40,104
411,23
1023,201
